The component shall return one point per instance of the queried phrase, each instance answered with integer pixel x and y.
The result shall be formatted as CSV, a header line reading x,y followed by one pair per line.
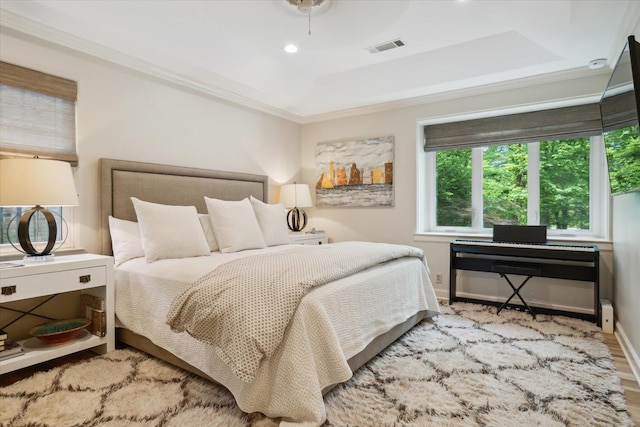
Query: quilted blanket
x,y
243,307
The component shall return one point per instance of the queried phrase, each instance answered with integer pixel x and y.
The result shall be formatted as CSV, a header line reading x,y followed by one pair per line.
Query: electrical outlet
x,y
439,278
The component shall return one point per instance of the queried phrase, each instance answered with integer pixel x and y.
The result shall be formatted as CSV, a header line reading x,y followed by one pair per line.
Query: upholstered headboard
x,y
170,185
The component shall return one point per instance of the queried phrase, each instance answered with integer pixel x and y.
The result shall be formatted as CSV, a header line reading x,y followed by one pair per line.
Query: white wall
x,y
127,115
398,224
626,295
123,114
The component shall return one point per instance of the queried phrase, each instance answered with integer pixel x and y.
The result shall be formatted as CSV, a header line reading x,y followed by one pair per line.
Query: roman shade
x,y
618,111
37,115
558,123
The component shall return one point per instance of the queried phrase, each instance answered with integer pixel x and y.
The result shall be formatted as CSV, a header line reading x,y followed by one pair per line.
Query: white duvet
x,y
333,323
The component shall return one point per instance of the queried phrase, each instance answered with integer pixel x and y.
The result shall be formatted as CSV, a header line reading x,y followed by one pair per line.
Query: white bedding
x,y
333,323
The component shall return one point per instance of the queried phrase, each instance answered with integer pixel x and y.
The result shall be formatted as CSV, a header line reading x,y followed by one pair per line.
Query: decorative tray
x,y
59,331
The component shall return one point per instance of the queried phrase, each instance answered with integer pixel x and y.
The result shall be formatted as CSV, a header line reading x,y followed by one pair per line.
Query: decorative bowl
x,y
59,331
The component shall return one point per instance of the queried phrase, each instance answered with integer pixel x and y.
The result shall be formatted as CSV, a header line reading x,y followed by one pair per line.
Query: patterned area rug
x,y
468,367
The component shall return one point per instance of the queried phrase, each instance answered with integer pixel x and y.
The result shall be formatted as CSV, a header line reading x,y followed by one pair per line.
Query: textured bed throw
x,y
243,307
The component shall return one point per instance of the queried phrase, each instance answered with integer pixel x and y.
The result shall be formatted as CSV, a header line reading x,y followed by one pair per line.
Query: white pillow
x,y
208,232
170,231
273,222
234,224
125,240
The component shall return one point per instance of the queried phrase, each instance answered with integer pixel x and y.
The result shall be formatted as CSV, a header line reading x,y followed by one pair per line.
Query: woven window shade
x,y
559,123
37,115
619,111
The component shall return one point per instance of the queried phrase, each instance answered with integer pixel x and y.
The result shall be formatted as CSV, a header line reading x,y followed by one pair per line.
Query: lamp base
x,y
26,246
35,259
23,231
296,219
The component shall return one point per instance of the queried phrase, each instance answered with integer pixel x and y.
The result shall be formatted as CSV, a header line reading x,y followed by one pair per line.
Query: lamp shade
x,y
33,182
295,195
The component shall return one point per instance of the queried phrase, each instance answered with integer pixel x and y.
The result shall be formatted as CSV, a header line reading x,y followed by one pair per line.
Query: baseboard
x,y
442,295
532,303
629,351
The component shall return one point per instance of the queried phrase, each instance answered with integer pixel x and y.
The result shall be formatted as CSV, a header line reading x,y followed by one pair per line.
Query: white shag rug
x,y
467,367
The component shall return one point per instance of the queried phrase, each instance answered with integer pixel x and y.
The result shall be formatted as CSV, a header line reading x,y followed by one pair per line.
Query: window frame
x,y
599,205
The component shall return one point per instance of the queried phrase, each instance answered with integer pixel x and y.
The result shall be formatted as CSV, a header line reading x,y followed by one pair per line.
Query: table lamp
x,y
295,196
37,183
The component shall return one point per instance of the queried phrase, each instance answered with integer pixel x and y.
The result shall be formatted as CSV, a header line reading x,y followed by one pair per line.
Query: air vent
x,y
386,46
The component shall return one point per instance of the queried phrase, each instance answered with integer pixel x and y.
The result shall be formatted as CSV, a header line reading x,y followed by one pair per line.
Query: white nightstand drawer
x,y
309,238
35,285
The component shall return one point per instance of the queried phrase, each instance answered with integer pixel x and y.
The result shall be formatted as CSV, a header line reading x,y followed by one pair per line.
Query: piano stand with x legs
x,y
516,292
526,269
557,261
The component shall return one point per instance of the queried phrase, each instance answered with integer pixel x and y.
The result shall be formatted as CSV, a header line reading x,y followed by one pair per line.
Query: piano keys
x,y
529,250
559,246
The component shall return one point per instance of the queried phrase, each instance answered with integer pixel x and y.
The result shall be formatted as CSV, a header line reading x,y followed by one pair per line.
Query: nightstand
x,y
302,238
91,274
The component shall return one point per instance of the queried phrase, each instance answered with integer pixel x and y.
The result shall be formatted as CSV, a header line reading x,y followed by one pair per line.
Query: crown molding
x,y
40,31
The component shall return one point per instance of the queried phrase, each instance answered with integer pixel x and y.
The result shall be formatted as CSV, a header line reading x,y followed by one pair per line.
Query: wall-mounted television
x,y
620,111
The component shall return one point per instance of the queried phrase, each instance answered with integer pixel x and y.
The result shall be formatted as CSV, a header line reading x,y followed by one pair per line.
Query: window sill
x,y
446,237
13,255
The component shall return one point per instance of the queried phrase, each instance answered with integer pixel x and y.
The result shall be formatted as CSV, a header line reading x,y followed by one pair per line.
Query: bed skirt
x,y
378,344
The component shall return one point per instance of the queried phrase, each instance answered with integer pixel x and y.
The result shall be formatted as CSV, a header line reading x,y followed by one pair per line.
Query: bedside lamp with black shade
x,y
36,183
293,197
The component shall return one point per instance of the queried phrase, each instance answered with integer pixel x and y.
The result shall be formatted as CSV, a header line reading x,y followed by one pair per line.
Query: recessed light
x,y
291,48
597,63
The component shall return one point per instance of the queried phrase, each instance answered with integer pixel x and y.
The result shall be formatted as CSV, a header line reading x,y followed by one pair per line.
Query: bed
x,y
331,334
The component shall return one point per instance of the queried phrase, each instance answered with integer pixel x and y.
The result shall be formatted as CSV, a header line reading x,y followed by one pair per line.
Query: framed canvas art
x,y
355,173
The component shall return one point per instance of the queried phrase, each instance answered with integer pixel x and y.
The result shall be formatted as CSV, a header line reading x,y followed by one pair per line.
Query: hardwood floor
x,y
628,381
623,370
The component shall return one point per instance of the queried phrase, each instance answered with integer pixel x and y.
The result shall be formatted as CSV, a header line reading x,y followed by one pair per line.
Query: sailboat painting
x,y
355,173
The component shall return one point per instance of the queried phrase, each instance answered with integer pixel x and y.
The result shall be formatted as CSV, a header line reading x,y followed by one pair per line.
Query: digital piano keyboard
x,y
559,246
530,250
570,262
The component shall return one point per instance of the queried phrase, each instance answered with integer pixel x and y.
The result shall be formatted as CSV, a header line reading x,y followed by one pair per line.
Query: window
x,y
623,154
38,229
37,117
472,176
557,194
504,184
453,178
564,184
